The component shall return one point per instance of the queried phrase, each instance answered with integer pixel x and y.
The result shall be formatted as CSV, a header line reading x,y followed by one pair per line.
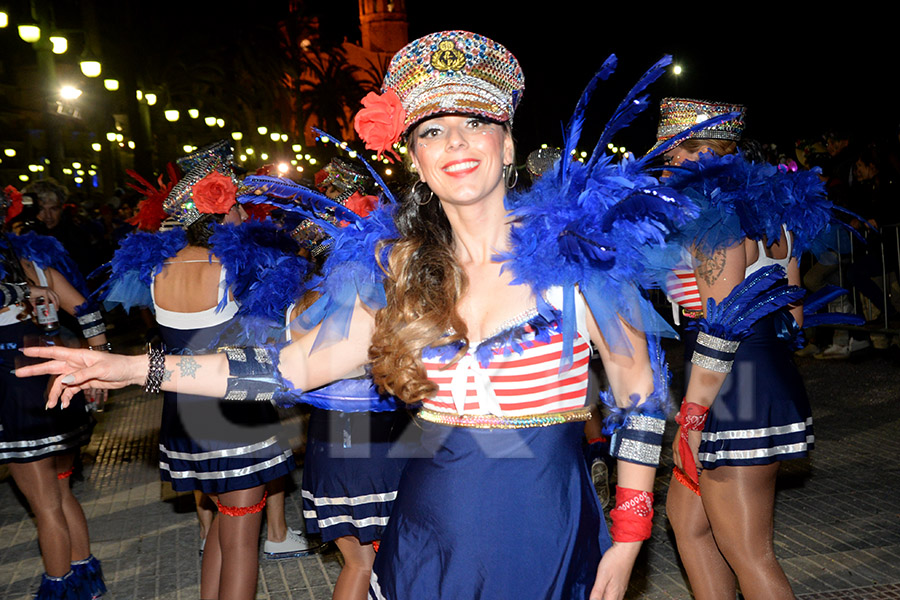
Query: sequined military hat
x,y
448,72
209,185
345,176
678,114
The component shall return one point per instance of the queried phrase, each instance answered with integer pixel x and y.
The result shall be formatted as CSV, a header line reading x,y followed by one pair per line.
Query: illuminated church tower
x,y
383,25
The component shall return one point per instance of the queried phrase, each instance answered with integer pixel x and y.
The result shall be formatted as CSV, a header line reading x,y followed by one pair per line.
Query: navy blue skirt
x,y
493,514
216,446
351,472
28,432
762,413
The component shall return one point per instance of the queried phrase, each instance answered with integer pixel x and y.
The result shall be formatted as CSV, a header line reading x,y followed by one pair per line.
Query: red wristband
x,y
632,518
692,416
65,474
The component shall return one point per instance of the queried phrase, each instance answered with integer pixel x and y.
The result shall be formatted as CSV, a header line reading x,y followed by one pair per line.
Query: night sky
x,y
800,68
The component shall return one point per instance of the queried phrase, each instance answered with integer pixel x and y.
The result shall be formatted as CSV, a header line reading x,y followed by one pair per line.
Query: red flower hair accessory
x,y
381,121
214,194
12,202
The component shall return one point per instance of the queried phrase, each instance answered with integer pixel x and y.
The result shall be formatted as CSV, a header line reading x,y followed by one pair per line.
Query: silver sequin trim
x,y
236,395
646,423
89,318
92,331
639,452
710,341
713,364
762,432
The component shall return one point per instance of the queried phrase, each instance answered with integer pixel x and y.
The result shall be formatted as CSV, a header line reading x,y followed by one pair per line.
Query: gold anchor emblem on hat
x,y
448,57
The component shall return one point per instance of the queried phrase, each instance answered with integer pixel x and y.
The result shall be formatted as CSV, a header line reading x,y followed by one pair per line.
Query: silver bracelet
x,y
107,347
155,371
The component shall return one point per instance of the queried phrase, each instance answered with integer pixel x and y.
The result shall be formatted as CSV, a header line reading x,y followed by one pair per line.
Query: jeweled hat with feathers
x,y
209,184
678,114
448,72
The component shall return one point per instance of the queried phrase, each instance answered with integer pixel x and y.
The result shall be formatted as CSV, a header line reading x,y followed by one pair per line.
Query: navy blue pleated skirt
x,y
762,412
351,472
216,446
28,432
493,514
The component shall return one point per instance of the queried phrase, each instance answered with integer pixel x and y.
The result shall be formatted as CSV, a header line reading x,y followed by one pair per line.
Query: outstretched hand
x,y
615,571
80,369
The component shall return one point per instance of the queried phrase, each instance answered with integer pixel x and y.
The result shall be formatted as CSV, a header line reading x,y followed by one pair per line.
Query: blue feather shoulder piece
x,y
351,271
264,273
139,258
740,199
601,226
47,253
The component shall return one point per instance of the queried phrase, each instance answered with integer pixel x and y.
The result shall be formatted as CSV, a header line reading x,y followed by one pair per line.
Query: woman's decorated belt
x,y
501,422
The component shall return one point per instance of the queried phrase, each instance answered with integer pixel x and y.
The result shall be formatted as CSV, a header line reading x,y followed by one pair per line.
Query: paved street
x,y
837,514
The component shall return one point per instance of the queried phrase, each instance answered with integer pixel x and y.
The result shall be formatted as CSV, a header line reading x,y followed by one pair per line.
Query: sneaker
x,y
808,350
833,351
856,345
600,477
295,544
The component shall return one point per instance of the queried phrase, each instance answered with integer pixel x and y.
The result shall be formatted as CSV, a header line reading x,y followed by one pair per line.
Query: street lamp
x,y
193,113
29,32
111,84
111,136
262,129
676,70
237,136
150,98
171,114
275,136
96,147
90,64
60,44
210,121
10,152
4,19
68,92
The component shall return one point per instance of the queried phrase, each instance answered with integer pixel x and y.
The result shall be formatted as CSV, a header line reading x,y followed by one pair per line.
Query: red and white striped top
x,y
681,287
513,384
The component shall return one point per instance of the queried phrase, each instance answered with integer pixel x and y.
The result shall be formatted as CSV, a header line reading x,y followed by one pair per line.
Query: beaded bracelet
x,y
155,371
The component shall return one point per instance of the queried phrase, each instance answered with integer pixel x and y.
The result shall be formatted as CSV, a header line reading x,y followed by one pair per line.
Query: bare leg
x,y
205,512
709,574
276,525
37,481
740,504
353,582
237,541
72,512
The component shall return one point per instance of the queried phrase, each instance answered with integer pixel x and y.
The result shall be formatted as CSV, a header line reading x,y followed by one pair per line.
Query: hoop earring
x,y
419,194
510,176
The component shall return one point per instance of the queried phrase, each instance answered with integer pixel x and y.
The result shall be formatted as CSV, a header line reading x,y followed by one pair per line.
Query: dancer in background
x,y
40,445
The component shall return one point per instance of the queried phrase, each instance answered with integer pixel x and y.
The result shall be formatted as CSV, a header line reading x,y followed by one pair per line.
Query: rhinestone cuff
x,y
639,440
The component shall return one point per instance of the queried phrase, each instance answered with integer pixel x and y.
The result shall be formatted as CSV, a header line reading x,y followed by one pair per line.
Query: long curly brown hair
x,y
423,286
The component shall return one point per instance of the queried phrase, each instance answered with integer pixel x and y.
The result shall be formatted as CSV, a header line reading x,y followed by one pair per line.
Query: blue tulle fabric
x,y
47,253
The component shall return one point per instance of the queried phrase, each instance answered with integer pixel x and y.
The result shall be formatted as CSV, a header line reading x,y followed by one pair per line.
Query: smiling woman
x,y
481,308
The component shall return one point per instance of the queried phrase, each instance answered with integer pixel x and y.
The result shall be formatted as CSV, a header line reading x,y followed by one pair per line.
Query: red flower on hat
x,y
361,205
381,121
215,194
15,202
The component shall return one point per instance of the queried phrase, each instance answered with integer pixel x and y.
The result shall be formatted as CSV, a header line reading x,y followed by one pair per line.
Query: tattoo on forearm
x,y
710,268
188,367
167,375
